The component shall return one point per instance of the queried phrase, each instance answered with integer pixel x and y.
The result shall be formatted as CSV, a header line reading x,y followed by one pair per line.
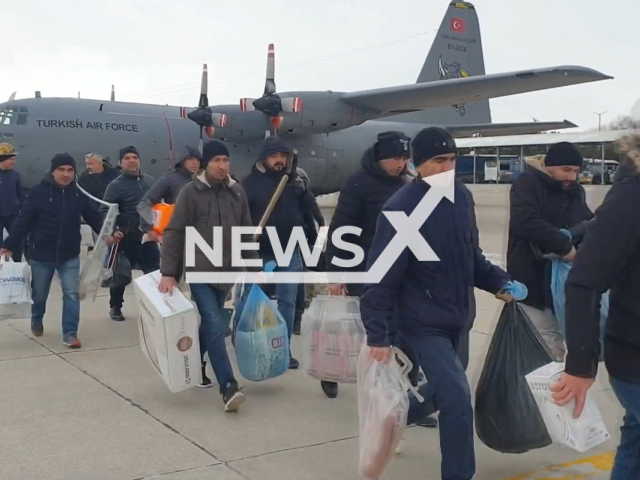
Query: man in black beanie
x,y
126,191
212,190
52,216
424,305
543,200
383,171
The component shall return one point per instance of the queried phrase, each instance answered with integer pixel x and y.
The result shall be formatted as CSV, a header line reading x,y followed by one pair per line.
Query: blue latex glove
x,y
516,289
566,232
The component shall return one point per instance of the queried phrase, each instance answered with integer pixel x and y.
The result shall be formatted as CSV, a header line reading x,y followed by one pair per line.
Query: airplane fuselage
x,y
38,132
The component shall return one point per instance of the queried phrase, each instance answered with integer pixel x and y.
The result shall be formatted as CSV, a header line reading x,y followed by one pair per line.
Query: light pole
x,y
600,119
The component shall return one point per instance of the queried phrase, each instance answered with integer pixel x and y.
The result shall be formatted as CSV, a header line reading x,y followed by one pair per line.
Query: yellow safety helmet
x,y
6,150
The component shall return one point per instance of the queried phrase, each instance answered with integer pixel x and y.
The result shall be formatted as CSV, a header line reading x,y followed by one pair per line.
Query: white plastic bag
x,y
332,337
15,289
383,406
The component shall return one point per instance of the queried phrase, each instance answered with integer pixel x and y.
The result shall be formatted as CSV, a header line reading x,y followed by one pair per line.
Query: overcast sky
x,y
153,50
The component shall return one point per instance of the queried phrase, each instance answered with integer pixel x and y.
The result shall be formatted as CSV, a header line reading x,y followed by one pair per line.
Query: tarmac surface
x,y
103,413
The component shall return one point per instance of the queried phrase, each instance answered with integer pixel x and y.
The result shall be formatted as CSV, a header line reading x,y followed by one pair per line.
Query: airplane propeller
x,y
203,115
270,103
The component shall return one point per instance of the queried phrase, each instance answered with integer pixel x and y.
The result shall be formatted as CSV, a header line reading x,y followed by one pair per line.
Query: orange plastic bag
x,y
161,215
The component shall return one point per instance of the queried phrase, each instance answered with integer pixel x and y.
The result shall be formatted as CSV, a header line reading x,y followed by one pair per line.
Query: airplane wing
x,y
451,91
500,129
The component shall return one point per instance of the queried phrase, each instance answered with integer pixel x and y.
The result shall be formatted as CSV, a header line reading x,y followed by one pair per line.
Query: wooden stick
x,y
272,205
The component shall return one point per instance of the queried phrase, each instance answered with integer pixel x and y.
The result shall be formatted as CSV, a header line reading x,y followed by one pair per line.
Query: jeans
x,y
286,293
42,275
447,391
210,302
145,256
627,462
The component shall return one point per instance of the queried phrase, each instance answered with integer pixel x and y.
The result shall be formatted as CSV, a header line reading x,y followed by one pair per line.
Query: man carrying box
x,y
212,190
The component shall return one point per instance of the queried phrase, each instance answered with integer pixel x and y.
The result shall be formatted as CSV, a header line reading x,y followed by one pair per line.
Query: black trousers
x,y
142,256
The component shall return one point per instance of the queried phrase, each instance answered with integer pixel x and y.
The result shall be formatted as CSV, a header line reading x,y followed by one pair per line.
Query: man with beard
x,y
383,171
294,205
545,199
97,176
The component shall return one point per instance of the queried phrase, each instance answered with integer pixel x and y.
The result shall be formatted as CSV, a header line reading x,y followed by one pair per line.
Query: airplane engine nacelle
x,y
318,112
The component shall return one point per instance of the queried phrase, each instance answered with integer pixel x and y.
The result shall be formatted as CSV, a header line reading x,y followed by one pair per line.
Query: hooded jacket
x,y
609,259
539,208
126,191
294,205
96,183
359,204
51,215
166,189
204,206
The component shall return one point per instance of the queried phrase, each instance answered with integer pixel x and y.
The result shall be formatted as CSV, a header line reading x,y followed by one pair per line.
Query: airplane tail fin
x,y
456,52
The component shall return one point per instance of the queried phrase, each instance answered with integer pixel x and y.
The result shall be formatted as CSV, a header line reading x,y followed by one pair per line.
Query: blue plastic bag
x,y
261,338
559,274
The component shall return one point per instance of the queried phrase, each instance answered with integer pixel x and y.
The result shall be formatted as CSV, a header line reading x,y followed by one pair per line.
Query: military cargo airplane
x,y
328,130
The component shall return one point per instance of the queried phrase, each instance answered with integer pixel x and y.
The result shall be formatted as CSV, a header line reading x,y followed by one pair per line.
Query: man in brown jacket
x,y
212,199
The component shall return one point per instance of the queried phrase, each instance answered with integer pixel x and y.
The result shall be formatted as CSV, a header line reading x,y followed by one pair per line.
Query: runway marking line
x,y
582,469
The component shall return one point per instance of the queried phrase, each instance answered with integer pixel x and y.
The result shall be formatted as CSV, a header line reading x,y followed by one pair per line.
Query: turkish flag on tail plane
x,y
458,25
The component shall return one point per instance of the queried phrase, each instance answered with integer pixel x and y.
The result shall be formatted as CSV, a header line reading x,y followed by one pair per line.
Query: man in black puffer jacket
x,y
545,199
384,170
290,212
126,191
166,189
98,175
51,215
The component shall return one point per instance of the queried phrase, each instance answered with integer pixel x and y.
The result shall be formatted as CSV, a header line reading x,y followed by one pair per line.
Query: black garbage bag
x,y
120,267
507,417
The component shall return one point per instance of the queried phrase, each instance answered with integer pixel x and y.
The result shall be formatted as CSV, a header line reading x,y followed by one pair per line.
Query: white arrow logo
x,y
407,228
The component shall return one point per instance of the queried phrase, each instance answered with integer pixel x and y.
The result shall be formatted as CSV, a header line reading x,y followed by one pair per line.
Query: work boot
x,y
232,397
71,340
37,328
206,381
116,314
293,364
330,389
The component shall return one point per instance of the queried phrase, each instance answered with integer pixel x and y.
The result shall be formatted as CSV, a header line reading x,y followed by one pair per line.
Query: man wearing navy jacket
x,y
51,215
425,304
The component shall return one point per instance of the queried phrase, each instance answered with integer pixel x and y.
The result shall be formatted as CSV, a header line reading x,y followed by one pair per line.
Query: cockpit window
x,y
15,115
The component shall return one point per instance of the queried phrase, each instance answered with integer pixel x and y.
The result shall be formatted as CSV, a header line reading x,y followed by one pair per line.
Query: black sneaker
x,y
428,422
232,398
293,364
330,389
116,314
37,328
206,381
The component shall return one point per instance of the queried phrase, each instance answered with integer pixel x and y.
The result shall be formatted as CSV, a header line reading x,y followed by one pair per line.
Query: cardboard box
x,y
581,434
168,327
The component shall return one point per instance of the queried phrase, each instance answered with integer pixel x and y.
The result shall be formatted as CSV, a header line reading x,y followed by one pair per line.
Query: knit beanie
x,y
563,154
431,142
212,149
62,159
129,149
392,145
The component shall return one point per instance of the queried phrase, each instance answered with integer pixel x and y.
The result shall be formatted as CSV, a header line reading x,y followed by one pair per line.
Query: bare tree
x,y
624,122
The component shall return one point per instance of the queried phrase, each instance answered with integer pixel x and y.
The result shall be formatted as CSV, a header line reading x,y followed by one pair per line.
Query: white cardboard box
x,y
168,327
581,434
